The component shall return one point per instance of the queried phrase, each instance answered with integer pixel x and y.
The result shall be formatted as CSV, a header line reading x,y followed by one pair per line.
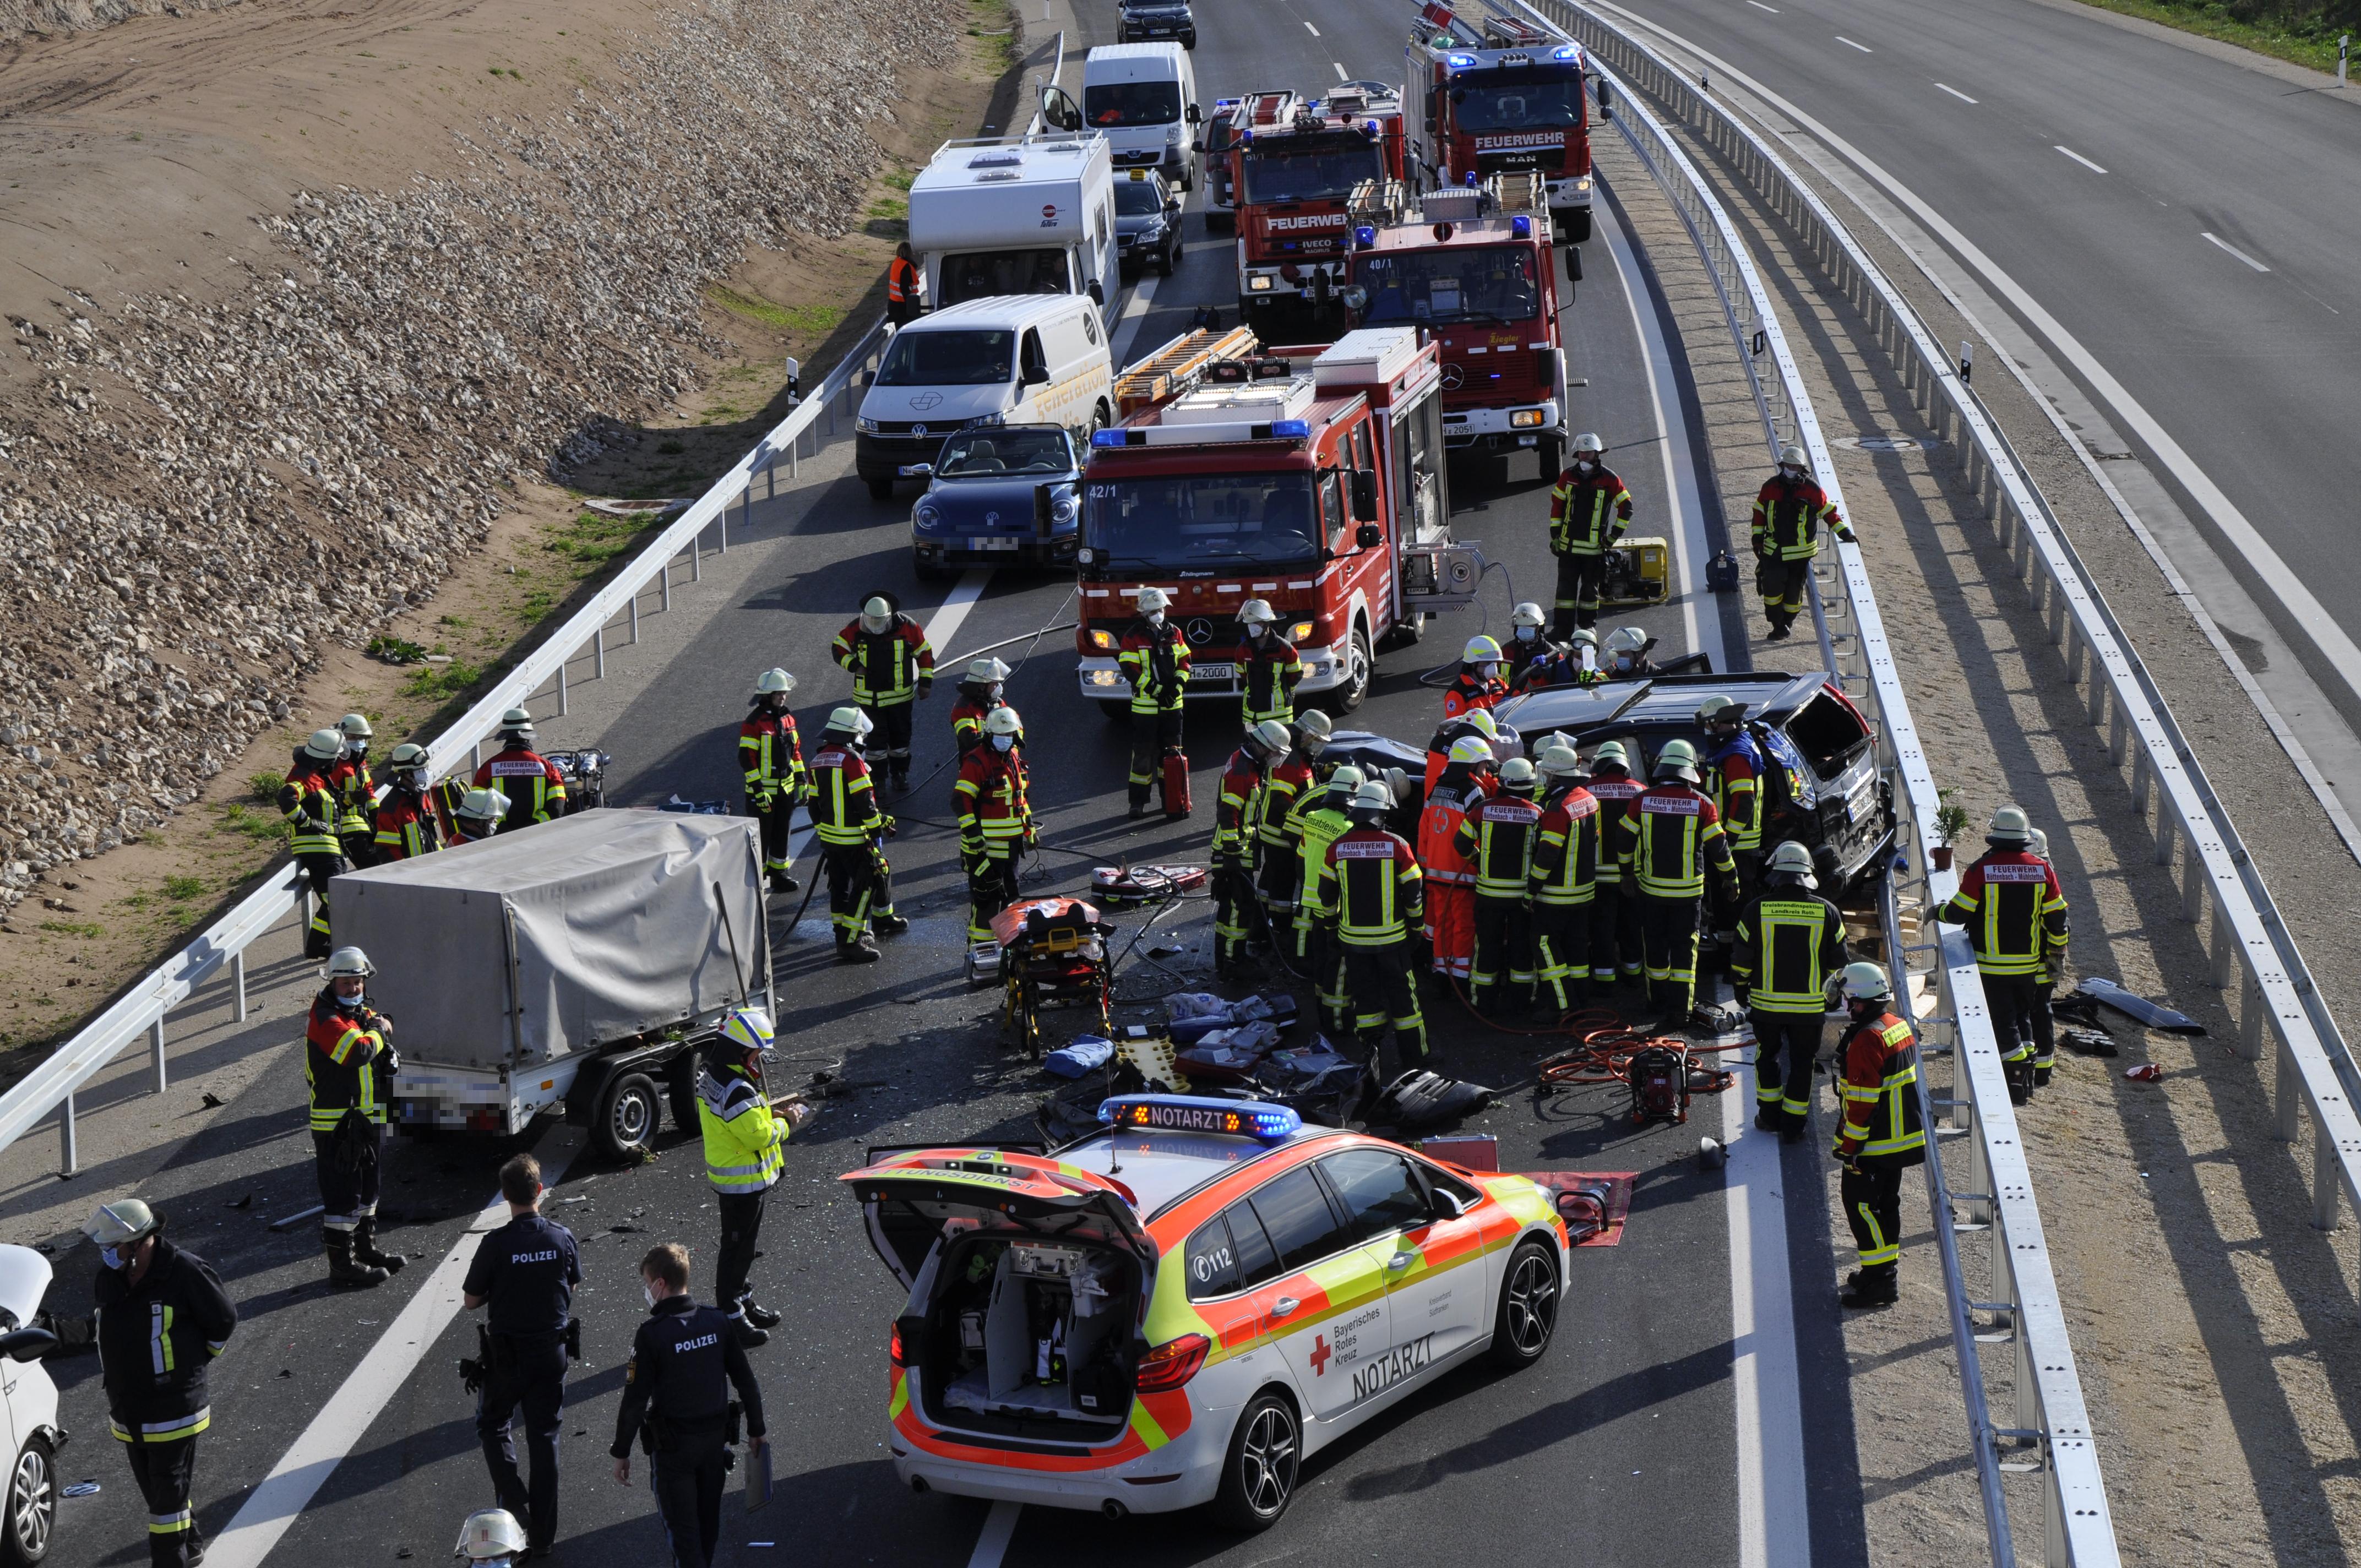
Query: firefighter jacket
x,y
993,810
1453,796
345,1061
1561,667
407,827
1587,515
308,802
1566,848
1497,838
1517,656
1468,692
1880,1065
1283,793
1369,882
1438,751
1267,676
1319,827
1234,809
771,755
156,1340
1734,778
1615,789
745,1140
968,715
843,804
889,667
1790,943
1787,518
1155,660
355,794
535,789
1670,835
2014,910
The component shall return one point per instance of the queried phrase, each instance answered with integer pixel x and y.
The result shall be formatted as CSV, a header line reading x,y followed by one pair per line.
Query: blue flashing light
x,y
1565,51
1471,181
1110,436
1461,61
1290,429
1365,236
1521,226
1200,1113
1370,129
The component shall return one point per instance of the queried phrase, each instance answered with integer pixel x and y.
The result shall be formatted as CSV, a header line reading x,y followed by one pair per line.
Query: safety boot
x,y
1867,1289
747,1334
1771,1119
364,1249
888,924
759,1315
858,950
342,1268
2019,1074
783,881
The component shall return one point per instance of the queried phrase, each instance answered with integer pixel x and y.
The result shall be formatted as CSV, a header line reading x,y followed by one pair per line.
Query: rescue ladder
x,y
1178,366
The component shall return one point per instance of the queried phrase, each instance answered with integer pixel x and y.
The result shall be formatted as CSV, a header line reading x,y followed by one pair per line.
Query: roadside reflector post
x,y
2343,56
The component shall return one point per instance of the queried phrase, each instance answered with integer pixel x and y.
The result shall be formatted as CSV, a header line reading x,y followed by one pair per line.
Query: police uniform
x,y
154,1340
676,1398
525,1272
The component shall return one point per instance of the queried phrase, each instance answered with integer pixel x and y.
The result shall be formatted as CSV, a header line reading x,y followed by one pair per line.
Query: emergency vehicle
x,y
1181,1308
1501,94
1475,269
1305,171
1310,479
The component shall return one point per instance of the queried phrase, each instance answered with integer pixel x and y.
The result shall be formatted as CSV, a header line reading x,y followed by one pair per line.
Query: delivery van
x,y
1018,358
1143,99
1017,215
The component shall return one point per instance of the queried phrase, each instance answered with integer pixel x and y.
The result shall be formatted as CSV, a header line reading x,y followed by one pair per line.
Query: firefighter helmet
x,y
325,745
747,1028
122,1223
1516,774
1527,614
1626,640
1470,749
1003,720
487,806
1717,710
1271,736
410,755
1312,730
1480,719
490,1535
773,683
1866,983
1679,759
1372,795
2010,826
1588,445
1257,613
1612,753
349,963
1346,779
1480,649
987,671
2038,843
356,727
1560,762
1793,861
1397,783
1154,600
876,615
1793,455
1583,637
848,720
517,724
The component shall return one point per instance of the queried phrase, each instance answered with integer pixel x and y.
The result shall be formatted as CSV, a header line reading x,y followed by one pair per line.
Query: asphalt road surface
x,y
1669,1373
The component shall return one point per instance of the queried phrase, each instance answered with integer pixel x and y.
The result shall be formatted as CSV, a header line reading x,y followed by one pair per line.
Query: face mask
x,y
1254,632
650,1293
1003,743
347,1003
1156,618
1790,474
993,697
1488,671
1527,634
111,1257
1585,465
357,748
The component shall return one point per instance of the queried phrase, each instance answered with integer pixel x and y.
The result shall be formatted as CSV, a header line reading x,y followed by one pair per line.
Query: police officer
x,y
893,665
2016,915
1270,670
349,1063
1564,880
310,802
1788,512
355,792
1497,838
1788,945
1882,1136
771,756
533,787
676,1401
1669,838
1154,657
979,693
1589,510
745,1145
525,1272
1370,879
406,824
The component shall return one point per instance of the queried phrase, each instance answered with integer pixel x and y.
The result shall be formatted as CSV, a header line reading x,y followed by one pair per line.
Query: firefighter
x,y
1627,654
1614,934
979,694
1449,894
1323,817
534,788
356,793
852,830
771,756
1574,664
406,824
349,1062
163,1319
904,284
1477,722
1589,510
745,1139
1278,846
479,816
491,1537
1371,881
2039,1022
308,801
1497,838
1788,512
892,664
1564,880
1734,771
1788,947
2016,915
1236,911
1155,660
1671,836
996,820
1479,682
1272,670
1526,646
1882,1136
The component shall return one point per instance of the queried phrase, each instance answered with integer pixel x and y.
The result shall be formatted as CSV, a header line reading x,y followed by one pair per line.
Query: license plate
x,y
995,543
1212,672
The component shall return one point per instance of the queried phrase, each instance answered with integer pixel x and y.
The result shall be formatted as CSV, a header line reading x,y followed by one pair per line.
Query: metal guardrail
x,y
2050,1411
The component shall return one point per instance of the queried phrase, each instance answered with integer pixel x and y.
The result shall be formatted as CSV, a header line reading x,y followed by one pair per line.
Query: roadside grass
x,y
2311,42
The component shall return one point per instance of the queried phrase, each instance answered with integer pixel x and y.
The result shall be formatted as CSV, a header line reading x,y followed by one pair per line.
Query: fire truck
x,y
1305,171
1312,478
1501,95
1474,268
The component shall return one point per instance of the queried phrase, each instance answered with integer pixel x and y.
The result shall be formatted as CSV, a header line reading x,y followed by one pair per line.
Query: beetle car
x,y
1178,1309
998,494
1146,225
29,1405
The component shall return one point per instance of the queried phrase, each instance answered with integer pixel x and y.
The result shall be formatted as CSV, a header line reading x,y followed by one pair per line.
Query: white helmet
x,y
1589,444
1794,456
325,745
1315,727
1559,763
1627,639
876,615
1470,749
356,727
1516,774
1371,795
1866,983
1481,720
1480,649
516,721
412,757
1527,614
1346,779
747,1028
1003,720
987,671
349,963
774,682
486,805
1257,613
1271,736
2039,844
122,1223
850,720
490,1535
1154,600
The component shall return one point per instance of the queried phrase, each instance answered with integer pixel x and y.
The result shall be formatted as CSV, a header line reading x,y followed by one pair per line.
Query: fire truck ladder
x,y
1266,110
1180,365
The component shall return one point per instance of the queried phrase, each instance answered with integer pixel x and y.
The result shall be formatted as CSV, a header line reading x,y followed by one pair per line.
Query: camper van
x,y
1017,215
1143,99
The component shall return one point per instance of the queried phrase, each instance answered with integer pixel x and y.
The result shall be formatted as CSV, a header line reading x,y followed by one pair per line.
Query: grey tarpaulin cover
x,y
617,932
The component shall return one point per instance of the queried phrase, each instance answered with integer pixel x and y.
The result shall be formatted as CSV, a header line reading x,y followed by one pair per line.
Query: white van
x,y
1021,359
1017,215
1143,99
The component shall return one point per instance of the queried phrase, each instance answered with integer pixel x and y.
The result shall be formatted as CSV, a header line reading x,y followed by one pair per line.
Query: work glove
x,y
926,688
1845,535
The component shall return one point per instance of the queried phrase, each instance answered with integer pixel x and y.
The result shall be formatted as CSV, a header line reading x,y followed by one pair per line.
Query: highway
x,y
1679,1387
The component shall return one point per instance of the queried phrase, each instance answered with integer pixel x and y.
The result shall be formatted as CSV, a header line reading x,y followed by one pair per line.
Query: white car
x,y
28,1407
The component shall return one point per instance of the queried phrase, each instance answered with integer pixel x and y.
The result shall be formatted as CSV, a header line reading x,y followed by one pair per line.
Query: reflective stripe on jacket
x,y
889,667
844,802
1787,517
1587,514
1155,662
1267,677
1234,810
343,1061
156,1342
2014,910
407,827
308,800
1789,944
1879,1082
1497,838
771,755
1669,837
1566,851
534,788
1371,881
744,1139
991,798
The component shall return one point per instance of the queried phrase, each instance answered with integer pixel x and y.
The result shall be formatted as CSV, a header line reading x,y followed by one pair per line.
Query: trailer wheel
x,y
680,1091
625,1126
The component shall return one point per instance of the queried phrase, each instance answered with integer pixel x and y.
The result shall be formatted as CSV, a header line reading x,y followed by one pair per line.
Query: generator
x,y
1639,572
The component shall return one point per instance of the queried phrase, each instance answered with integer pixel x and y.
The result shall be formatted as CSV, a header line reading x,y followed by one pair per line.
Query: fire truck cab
x,y
1501,94
1304,172
1310,479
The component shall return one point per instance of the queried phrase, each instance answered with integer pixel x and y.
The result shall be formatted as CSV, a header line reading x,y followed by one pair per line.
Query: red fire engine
x,y
1305,172
1312,478
1476,268
1504,95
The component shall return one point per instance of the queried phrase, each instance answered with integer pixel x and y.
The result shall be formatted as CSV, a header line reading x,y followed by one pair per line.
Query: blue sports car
x,y
1000,495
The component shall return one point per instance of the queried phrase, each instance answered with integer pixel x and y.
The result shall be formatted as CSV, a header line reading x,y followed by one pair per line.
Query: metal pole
x,y
663,589
697,558
599,654
561,688
237,981
156,1053
635,619
69,1155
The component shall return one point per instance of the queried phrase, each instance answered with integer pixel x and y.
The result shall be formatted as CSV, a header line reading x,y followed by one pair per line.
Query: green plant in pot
x,y
1950,821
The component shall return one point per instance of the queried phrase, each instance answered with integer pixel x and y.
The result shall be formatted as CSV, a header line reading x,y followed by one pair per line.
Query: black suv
x,y
1146,19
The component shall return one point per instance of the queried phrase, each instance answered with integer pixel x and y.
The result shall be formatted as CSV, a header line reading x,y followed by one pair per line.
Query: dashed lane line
x,y
1313,30
1955,92
1863,48
2078,158
2233,250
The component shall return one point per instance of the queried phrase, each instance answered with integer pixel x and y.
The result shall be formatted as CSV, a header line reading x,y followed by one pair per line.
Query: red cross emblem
x,y
1320,1354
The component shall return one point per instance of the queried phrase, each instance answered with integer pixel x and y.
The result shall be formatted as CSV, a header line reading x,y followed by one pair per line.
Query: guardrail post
x,y
635,619
2288,1088
561,687
2250,1017
721,528
2324,1206
156,1053
2225,950
68,1153
2194,884
2139,782
664,593
2163,831
237,983
697,557
599,654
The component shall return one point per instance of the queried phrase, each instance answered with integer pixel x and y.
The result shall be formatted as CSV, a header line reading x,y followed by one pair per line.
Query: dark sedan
x,y
999,495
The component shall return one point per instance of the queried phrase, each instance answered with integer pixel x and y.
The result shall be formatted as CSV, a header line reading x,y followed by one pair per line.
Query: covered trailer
x,y
582,960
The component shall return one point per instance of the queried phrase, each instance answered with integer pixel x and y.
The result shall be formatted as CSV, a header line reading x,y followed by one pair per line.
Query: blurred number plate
x,y
995,543
1212,672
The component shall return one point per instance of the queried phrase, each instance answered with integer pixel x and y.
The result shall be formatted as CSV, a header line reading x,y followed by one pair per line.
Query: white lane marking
x,y
1863,48
2079,158
1134,313
2245,540
1340,69
945,623
2233,250
1760,6
1313,30
1955,92
999,1528
288,1490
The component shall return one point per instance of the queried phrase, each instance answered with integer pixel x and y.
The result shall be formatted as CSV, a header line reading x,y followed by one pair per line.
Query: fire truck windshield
x,y
1113,104
1309,168
1496,100
1175,522
1435,286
